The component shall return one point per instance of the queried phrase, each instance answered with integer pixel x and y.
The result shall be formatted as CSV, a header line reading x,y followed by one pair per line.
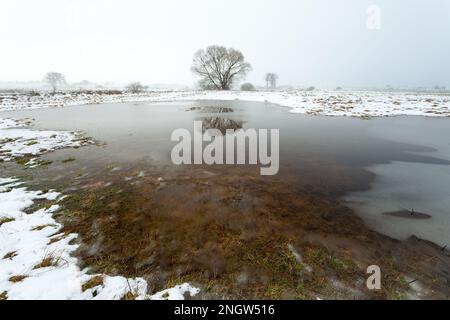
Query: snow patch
x,y
36,260
17,141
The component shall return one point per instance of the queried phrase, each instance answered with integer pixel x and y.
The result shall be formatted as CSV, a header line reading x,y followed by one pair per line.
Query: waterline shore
x,y
361,104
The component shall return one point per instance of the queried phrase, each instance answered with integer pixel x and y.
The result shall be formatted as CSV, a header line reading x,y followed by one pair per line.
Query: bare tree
x,y
271,80
54,79
136,87
267,77
219,67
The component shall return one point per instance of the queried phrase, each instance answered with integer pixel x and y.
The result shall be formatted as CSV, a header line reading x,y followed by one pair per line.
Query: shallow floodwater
x,y
417,187
408,156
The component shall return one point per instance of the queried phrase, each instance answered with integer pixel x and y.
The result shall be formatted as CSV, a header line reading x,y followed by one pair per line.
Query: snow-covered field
x,y
36,260
16,140
330,103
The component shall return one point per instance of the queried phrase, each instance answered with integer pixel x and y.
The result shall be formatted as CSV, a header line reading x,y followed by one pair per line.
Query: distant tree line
x,y
218,68
136,87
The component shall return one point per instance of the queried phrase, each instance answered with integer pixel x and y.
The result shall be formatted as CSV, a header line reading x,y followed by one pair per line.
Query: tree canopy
x,y
219,67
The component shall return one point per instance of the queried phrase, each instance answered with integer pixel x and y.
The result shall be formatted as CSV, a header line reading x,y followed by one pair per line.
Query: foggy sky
x,y
310,42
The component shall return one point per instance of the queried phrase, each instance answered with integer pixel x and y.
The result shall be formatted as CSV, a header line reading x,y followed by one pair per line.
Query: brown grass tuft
x,y
93,282
3,296
17,278
129,296
56,239
10,255
48,261
39,228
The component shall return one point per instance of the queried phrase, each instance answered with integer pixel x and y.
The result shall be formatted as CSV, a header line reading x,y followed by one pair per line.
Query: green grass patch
x,y
5,220
31,143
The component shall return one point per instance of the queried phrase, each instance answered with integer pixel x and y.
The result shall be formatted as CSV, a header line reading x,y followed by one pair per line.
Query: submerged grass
x,y
138,232
233,237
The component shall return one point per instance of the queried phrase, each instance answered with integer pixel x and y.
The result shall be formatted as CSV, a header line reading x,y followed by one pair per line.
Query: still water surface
x,y
408,157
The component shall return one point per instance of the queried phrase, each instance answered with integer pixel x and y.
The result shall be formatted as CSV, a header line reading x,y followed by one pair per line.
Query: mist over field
x,y
321,43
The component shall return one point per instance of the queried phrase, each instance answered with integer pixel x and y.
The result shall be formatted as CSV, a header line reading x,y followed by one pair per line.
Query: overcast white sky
x,y
309,42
